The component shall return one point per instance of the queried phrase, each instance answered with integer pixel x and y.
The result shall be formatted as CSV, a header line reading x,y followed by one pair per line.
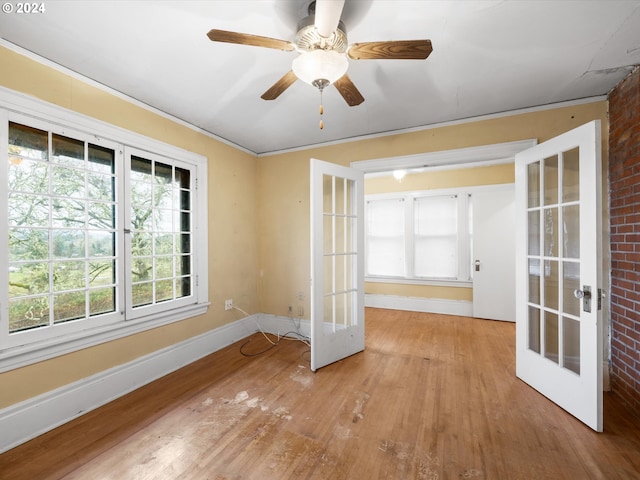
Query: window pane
x,y
28,244
534,281
533,185
571,175
571,344
551,285
54,228
27,175
101,187
142,294
571,223
551,180
28,313
69,306
550,232
533,232
67,151
571,282
68,276
102,244
436,257
28,279
28,142
102,300
101,160
551,344
385,237
102,273
28,210
534,329
68,243
164,243
436,236
68,182
159,214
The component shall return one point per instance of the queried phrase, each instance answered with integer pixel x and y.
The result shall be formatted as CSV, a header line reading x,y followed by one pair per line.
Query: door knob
x,y
585,295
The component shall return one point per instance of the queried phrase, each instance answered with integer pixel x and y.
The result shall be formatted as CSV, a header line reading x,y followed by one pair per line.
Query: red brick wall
x,y
624,189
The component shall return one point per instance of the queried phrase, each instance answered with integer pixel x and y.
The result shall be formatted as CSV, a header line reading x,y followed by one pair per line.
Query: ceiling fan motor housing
x,y
308,38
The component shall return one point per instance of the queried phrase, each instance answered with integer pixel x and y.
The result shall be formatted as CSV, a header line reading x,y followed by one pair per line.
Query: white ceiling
x,y
488,56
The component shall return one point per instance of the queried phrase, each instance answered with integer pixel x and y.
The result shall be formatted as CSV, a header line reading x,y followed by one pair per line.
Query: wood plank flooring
x,y
431,397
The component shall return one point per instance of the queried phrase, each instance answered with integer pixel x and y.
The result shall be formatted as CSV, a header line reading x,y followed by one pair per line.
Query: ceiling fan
x,y
321,41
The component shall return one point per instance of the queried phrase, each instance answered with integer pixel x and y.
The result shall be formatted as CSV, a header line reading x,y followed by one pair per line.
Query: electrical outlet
x,y
228,304
300,311
300,295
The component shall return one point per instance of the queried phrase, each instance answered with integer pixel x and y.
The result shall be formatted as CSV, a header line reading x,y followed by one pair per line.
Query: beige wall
x,y
232,227
283,192
258,211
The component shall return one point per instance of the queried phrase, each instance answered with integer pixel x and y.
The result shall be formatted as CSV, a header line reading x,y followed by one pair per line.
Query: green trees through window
x,y
65,196
61,214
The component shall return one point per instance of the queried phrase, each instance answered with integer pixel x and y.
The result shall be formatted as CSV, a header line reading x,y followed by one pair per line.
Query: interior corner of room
x,y
255,225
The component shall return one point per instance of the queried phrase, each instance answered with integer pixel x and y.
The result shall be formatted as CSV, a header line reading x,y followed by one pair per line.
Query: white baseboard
x,y
419,304
28,419
284,325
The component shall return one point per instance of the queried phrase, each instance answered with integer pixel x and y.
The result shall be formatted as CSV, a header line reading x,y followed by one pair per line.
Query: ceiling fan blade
x,y
327,16
348,91
280,86
246,39
400,49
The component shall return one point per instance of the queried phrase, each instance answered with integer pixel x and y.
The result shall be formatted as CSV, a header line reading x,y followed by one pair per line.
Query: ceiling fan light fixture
x,y
318,65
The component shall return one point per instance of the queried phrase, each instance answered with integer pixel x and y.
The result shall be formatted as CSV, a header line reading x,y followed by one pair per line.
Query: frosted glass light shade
x,y
320,65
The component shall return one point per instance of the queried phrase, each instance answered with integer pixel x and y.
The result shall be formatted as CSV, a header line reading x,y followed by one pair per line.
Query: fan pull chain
x,y
321,111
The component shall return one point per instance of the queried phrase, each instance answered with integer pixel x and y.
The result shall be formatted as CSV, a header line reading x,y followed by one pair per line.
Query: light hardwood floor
x,y
431,397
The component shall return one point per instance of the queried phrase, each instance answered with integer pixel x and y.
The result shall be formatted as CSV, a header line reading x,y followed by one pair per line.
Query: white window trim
x,y
12,103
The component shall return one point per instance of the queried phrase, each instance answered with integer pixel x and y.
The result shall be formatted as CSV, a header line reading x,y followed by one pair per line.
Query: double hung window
x,y
420,236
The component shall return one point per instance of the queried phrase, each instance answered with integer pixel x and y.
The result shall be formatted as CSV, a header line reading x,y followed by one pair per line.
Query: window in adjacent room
x,y
418,236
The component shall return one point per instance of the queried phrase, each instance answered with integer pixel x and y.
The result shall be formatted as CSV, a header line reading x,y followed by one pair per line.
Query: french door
x,y
337,271
558,271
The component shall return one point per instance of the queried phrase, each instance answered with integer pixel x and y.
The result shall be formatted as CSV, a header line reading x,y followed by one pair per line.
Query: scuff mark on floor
x,y
343,433
282,412
304,378
359,408
471,473
406,457
240,397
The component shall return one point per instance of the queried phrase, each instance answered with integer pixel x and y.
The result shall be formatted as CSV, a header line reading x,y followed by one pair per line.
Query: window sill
x,y
420,281
23,355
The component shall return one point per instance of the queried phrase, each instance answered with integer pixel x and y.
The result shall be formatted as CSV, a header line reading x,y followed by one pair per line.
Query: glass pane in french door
x,y
554,259
340,255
